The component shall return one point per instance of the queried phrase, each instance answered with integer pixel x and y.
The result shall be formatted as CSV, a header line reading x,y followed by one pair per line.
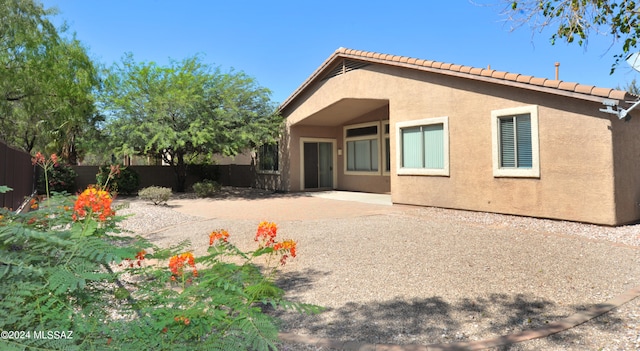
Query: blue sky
x,y
281,43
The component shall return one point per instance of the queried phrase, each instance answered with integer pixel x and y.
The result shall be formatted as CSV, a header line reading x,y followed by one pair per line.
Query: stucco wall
x,y
576,149
294,164
626,149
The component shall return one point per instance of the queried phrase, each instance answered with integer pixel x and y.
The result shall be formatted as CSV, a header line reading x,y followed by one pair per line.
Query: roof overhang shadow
x,y
342,111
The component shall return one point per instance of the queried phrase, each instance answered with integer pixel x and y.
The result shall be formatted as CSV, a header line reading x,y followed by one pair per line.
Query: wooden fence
x,y
16,172
228,175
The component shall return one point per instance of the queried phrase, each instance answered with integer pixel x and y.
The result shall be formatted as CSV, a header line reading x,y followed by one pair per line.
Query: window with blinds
x,y
423,147
515,142
362,148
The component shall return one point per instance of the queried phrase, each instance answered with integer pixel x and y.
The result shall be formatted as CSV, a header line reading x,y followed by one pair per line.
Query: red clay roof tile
x,y
464,71
604,92
568,86
552,83
486,72
584,89
498,74
618,95
512,76
537,81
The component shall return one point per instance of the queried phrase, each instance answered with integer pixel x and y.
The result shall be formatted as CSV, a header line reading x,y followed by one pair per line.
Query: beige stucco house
x,y
452,136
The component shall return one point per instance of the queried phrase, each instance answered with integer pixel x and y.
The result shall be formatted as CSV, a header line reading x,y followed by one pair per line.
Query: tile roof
x,y
576,90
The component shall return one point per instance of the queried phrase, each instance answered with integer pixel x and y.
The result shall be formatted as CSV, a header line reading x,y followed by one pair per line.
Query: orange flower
x,y
266,233
38,159
178,262
218,235
54,159
181,319
93,201
33,203
140,255
288,247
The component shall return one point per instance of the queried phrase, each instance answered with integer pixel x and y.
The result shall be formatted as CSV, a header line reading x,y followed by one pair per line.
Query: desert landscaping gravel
x,y
416,275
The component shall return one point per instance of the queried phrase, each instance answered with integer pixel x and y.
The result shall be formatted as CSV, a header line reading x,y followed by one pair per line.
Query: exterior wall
x,y
576,170
294,155
374,183
626,150
576,146
244,158
291,165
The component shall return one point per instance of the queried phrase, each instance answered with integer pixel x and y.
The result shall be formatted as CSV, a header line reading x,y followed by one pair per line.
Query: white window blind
x,y
362,155
423,146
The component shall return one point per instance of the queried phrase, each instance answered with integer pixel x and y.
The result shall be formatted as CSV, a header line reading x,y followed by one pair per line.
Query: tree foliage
x,y
185,110
631,88
46,82
577,20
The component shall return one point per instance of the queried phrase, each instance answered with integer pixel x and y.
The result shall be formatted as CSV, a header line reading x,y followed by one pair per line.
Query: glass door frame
x,y
334,156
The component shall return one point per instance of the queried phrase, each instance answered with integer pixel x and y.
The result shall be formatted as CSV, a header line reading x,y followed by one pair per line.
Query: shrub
x,y
124,180
206,188
67,269
204,171
156,194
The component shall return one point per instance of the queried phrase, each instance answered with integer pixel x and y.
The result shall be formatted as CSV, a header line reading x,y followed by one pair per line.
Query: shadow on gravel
x,y
433,320
299,281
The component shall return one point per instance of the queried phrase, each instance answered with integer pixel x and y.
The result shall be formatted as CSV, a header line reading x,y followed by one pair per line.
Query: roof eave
x,y
557,87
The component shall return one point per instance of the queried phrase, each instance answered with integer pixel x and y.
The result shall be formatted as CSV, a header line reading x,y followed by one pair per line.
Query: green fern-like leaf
x,y
259,331
264,290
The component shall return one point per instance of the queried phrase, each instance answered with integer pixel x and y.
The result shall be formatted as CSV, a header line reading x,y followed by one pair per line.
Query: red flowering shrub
x,y
67,262
94,203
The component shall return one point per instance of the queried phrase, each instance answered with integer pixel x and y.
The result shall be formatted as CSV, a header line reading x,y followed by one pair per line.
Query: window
x,y
515,142
361,143
387,149
268,158
423,146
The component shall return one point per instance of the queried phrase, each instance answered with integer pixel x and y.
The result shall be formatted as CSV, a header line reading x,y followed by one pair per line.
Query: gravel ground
x,y
415,275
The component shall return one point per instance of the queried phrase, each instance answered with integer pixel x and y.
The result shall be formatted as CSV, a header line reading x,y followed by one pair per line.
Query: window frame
x,y
259,164
515,172
375,137
386,150
400,170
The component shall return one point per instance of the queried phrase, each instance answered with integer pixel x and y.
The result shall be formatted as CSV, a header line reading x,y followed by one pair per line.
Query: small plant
x,y
206,188
56,176
124,179
156,194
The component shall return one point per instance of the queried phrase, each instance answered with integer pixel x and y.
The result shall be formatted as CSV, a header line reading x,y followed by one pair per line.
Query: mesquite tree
x,y
185,110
